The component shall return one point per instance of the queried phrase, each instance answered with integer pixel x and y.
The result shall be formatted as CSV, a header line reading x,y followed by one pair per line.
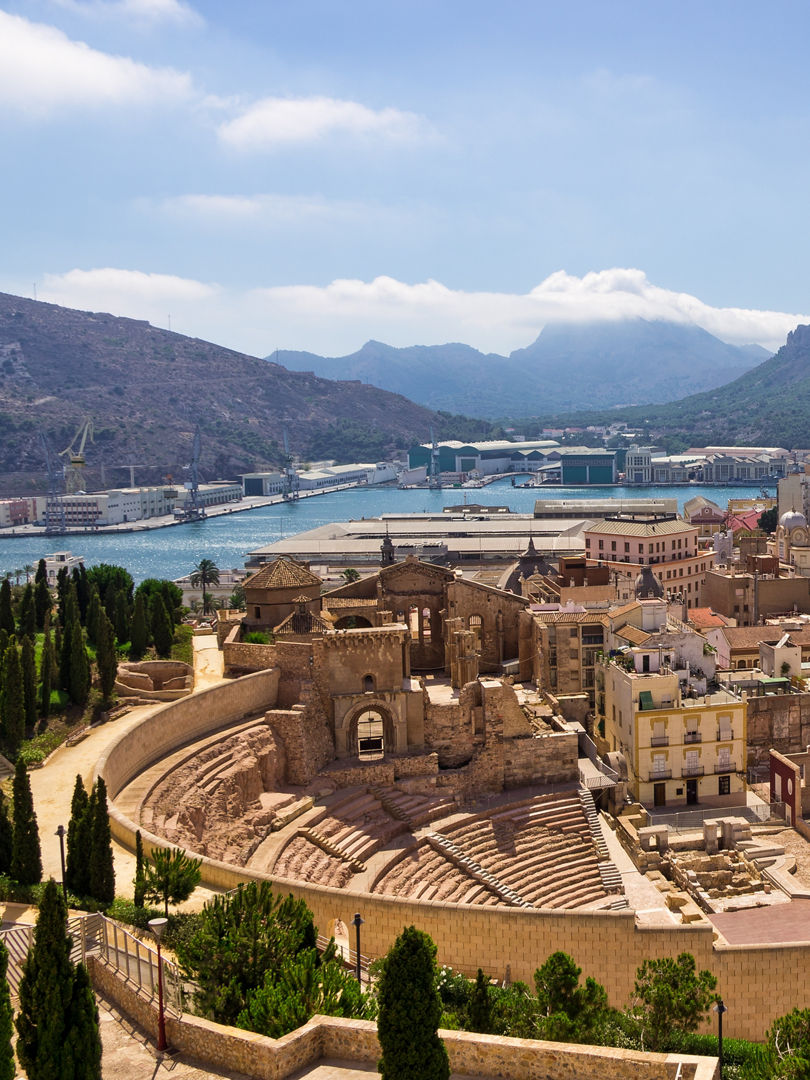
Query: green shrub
x,y
256,637
182,648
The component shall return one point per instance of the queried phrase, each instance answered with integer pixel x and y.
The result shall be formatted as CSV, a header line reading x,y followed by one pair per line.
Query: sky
x,y
312,174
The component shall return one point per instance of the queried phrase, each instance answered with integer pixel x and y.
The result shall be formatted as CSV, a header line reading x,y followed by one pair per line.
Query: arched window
x,y
370,735
474,624
426,624
368,684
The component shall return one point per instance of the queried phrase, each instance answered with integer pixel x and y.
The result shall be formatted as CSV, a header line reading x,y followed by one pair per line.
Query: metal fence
x,y
683,821
99,936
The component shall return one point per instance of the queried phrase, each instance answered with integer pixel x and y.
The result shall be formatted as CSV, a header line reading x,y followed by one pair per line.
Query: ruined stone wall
x,y
351,655
448,732
544,759
499,636
307,738
781,721
232,1049
502,711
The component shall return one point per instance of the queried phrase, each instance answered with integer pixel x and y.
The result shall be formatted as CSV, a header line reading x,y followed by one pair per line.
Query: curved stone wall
x,y
758,983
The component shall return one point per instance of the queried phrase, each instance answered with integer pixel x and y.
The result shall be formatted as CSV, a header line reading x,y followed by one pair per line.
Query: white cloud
x,y
337,318
144,12
264,207
42,70
279,121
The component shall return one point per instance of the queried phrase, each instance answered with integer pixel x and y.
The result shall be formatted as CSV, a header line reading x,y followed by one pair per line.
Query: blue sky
x,y
313,174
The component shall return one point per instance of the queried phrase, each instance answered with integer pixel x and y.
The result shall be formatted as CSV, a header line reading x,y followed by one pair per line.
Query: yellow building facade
x,y
681,750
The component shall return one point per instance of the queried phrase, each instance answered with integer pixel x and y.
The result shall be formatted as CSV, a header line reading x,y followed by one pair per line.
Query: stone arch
x,y
372,710
476,624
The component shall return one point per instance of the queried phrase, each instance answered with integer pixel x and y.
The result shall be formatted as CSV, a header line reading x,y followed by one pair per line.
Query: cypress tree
x,y
162,627
94,610
139,635
46,675
81,588
6,836
62,585
110,601
6,614
46,991
102,873
28,613
106,658
42,573
140,872
481,1005
56,665
122,617
12,702
410,1010
77,861
42,602
65,653
26,862
29,680
7,1067
79,686
82,1053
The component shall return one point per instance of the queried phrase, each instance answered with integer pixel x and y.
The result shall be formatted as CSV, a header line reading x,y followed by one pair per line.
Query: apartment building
x,y
684,743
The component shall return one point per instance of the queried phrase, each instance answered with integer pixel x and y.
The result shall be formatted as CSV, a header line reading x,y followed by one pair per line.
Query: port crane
x,y
54,505
292,482
434,469
76,461
193,510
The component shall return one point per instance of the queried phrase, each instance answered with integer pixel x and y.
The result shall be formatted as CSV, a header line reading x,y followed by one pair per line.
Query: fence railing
x,y
682,821
99,936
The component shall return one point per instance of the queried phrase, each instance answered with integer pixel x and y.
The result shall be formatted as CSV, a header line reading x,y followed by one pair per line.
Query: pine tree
x,y
29,679
94,610
28,613
106,658
6,614
122,618
162,627
7,1066
139,635
102,873
410,1011
26,861
46,675
12,702
79,686
6,836
57,1023
77,862
140,875
173,877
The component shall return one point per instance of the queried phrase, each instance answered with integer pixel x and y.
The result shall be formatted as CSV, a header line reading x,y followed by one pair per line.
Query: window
x,y
724,785
368,684
257,612
475,625
626,547
370,736
612,545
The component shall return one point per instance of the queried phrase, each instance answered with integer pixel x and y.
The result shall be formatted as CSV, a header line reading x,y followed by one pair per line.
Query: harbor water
x,y
227,538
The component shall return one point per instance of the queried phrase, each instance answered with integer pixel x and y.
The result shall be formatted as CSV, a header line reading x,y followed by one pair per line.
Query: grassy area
x,y
183,648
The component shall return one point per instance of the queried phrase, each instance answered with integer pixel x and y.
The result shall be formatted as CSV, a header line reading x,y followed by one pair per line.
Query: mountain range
x,y
146,390
569,366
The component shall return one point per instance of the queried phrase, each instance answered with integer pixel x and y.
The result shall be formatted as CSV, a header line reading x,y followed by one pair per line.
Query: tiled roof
x,y
633,634
703,617
748,637
640,528
282,573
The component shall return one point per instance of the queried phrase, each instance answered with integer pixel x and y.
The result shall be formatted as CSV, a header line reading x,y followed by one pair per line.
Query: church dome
x,y
792,520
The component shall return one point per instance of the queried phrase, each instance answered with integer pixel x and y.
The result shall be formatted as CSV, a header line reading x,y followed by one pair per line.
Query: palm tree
x,y
205,573
28,570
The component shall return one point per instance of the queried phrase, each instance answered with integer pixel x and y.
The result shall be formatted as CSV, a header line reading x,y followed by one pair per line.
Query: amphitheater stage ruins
x,y
368,755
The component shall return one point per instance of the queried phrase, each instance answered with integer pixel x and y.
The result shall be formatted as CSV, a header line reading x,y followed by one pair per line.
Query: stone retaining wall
x,y
356,1040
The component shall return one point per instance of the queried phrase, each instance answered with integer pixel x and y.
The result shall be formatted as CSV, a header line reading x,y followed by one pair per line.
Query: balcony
x,y
725,767
692,770
692,737
725,735
659,740
660,774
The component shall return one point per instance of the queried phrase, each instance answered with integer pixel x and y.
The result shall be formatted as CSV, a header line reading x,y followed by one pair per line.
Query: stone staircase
x,y
325,844
456,854
609,873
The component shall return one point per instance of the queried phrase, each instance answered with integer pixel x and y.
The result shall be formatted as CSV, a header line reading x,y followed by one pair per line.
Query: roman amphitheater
x,y
371,756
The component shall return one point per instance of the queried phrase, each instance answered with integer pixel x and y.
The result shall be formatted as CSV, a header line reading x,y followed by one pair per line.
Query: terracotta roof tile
x,y
281,573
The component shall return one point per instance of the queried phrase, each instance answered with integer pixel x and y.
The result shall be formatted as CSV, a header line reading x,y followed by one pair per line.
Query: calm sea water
x,y
172,552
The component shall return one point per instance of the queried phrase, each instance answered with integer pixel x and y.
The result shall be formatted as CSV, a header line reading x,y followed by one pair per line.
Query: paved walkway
x,y
765,925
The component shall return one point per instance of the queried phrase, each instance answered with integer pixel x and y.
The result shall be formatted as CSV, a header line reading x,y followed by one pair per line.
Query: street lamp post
x,y
357,922
157,926
720,1008
60,832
